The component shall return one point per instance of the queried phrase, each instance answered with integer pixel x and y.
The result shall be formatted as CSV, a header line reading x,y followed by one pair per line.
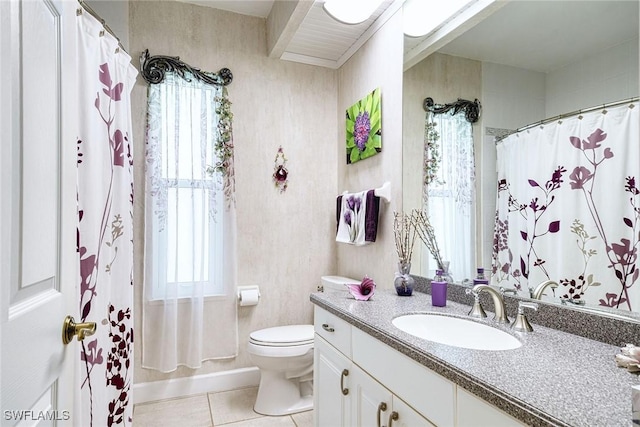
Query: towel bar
x,y
383,192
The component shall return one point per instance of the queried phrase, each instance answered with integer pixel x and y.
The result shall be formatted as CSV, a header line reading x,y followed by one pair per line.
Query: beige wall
x,y
444,78
376,64
285,241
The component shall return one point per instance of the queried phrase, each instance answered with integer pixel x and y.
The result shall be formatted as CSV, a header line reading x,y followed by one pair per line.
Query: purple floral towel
x,y
357,217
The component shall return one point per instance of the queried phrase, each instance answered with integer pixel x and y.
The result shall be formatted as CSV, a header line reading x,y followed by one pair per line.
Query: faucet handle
x,y
523,304
521,323
564,301
476,310
507,291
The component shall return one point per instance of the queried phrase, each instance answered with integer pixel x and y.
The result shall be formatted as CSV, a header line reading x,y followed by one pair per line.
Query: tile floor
x,y
229,408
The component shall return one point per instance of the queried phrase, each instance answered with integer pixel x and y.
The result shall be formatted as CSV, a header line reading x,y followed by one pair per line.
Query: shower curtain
x,y
105,227
568,208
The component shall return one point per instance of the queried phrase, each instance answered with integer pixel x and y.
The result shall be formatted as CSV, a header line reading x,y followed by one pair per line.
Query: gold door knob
x,y
81,330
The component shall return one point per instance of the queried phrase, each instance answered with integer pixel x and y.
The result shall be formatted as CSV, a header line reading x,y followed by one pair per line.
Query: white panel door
x,y
38,261
331,375
371,403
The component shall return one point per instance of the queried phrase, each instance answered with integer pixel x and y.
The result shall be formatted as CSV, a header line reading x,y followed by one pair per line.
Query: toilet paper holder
x,y
248,290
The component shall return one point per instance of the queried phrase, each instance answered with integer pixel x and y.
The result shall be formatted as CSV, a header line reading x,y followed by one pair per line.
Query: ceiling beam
x,y
283,22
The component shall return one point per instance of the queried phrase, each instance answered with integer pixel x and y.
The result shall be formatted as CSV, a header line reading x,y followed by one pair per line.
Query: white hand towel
x,y
352,218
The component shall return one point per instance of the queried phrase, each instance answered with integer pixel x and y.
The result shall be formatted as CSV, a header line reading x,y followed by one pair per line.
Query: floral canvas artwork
x,y
364,128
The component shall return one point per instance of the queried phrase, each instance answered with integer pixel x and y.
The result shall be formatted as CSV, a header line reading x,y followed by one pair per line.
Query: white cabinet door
x,y
371,404
404,415
374,405
332,386
38,211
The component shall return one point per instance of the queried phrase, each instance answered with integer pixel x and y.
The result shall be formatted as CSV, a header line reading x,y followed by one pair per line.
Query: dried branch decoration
x,y
405,236
427,234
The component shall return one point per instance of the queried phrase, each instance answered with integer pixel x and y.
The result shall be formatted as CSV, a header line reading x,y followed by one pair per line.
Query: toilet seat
x,y
283,336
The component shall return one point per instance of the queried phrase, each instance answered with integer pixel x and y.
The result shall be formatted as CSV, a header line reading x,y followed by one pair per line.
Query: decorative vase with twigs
x,y
424,230
405,236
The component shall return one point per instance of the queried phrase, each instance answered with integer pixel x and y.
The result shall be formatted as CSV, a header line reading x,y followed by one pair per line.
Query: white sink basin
x,y
455,331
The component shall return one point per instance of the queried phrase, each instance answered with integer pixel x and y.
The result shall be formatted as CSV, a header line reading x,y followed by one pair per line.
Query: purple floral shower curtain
x,y
105,227
568,209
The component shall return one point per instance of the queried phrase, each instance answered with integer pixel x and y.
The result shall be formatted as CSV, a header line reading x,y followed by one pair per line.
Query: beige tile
x,y
187,412
231,406
265,421
303,419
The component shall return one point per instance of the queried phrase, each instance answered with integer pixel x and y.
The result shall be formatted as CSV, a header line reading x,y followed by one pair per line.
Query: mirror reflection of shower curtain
x,y
450,199
568,208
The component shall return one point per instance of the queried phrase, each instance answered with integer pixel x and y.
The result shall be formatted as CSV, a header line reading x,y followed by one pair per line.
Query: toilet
x,y
337,284
284,355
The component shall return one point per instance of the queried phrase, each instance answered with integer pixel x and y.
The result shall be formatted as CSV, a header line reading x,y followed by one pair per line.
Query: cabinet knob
x,y
381,408
345,373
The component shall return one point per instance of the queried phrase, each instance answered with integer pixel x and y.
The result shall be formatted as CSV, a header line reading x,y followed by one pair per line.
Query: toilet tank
x,y
336,283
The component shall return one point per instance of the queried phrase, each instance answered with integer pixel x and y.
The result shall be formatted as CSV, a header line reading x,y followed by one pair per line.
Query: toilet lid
x,y
283,336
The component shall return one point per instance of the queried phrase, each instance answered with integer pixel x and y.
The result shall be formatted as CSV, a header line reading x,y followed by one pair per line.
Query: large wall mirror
x,y
525,61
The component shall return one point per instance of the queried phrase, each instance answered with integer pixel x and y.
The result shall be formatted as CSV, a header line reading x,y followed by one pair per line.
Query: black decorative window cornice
x,y
154,68
471,108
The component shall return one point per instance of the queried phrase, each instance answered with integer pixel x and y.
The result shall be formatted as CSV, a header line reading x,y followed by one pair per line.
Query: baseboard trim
x,y
197,384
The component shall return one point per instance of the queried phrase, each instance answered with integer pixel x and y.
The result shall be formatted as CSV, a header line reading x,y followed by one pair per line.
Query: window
x,y
185,201
450,194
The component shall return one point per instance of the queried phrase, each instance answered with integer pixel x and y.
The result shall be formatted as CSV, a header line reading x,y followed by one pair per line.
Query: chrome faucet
x,y
537,292
498,302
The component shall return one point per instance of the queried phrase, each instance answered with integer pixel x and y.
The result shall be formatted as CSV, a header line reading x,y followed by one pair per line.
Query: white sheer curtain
x,y
568,208
450,197
190,268
105,227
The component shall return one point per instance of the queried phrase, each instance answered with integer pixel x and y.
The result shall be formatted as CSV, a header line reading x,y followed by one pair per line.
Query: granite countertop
x,y
555,378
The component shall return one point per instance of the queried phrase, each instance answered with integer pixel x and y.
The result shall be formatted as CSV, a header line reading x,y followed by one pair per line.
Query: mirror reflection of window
x,y
449,191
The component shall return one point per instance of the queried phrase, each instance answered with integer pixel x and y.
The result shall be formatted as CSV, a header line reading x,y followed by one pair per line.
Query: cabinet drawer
x,y
473,411
430,394
336,331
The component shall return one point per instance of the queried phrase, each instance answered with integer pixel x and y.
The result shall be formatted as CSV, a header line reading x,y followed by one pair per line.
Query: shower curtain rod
x,y
93,13
577,112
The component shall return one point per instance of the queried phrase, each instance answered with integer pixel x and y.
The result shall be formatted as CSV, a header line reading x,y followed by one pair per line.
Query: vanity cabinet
x,y
430,394
360,381
375,405
345,395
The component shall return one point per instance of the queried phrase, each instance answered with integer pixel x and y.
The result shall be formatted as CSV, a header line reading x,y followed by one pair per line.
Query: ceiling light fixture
x,y
351,11
421,17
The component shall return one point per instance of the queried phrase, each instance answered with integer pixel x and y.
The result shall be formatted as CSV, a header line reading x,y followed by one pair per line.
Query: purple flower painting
x,y
364,128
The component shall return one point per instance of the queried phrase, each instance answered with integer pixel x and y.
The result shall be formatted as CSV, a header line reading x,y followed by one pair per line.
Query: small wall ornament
x,y
280,172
